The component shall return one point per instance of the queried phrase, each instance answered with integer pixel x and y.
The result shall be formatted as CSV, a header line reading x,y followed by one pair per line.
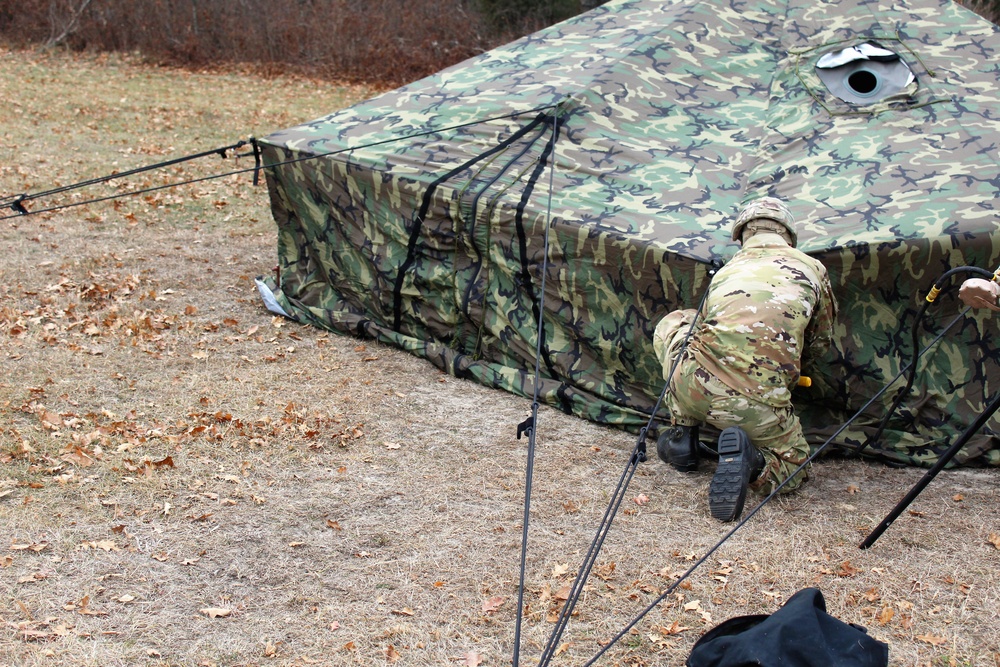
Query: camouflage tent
x,y
612,151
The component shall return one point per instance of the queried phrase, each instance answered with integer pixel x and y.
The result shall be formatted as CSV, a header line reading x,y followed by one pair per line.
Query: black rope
x,y
18,201
638,455
914,334
942,461
756,509
15,202
529,426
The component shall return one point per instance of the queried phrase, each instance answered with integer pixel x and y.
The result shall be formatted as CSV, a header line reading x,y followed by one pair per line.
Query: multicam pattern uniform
x,y
419,217
767,309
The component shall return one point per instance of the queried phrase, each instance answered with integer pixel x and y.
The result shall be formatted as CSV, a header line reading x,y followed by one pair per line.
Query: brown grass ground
x,y
189,481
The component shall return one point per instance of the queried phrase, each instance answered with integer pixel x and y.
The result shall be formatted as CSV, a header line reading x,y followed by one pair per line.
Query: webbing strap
x,y
425,204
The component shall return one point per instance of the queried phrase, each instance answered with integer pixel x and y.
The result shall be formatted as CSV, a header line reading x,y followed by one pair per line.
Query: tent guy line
x,y
530,426
638,456
16,202
670,589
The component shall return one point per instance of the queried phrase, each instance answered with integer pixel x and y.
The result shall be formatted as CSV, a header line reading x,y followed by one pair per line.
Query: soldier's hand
x,y
980,293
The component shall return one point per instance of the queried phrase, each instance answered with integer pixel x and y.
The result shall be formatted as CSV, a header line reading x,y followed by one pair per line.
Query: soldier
x,y
768,311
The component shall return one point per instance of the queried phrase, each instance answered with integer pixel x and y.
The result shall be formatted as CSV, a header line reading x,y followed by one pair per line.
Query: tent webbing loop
x,y
425,204
16,202
819,450
638,456
529,426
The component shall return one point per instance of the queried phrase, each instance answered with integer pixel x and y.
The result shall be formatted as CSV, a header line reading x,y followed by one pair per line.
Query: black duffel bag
x,y
800,634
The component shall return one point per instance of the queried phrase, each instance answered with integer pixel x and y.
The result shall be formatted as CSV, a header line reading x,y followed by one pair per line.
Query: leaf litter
x,y
180,464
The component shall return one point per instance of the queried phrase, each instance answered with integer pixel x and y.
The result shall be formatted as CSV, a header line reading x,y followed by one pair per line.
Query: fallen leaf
x,y
560,569
405,611
216,612
958,497
694,605
994,539
886,615
675,629
270,650
641,499
333,524
852,489
492,604
472,659
391,654
933,640
847,570
86,611
126,598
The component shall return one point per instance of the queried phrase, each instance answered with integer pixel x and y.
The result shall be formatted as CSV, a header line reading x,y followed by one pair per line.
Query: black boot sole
x,y
728,491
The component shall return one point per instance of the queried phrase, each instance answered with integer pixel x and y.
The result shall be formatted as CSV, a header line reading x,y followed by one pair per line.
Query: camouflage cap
x,y
767,208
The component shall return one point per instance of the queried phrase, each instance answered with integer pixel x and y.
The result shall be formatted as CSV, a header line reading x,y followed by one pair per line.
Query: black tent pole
x,y
974,427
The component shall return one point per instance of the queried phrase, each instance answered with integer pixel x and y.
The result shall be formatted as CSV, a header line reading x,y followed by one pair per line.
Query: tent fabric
x,y
613,150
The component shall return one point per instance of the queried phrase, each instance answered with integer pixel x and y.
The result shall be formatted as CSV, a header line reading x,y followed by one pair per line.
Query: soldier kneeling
x,y
767,311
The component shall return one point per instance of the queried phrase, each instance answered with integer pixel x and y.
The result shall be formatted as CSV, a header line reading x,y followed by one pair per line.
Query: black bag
x,y
800,634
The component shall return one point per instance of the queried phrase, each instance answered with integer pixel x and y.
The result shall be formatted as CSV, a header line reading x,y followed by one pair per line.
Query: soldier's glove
x,y
980,293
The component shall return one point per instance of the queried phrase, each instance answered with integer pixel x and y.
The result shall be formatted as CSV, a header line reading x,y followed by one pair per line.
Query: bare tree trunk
x,y
71,25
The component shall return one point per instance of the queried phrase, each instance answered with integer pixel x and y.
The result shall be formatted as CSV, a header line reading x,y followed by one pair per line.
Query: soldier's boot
x,y
678,446
739,464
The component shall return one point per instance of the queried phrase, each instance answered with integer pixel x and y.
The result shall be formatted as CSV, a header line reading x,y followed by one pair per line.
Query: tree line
x,y
382,42
387,42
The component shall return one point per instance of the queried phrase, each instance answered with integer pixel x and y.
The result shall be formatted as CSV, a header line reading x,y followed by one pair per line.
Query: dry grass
x,y
168,447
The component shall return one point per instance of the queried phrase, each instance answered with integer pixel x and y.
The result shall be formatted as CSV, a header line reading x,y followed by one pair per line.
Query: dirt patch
x,y
188,480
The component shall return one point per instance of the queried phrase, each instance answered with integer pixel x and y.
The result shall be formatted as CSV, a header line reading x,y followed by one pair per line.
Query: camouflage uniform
x,y
770,309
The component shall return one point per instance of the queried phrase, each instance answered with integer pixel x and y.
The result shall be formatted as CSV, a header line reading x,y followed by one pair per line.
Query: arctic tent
x,y
603,159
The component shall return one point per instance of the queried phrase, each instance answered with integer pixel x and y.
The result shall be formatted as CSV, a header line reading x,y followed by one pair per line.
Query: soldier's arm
x,y
980,293
819,333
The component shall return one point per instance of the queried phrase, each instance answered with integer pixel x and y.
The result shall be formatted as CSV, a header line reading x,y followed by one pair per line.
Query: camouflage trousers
x,y
696,396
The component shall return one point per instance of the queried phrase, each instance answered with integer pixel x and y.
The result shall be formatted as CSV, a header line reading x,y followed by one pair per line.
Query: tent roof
x,y
676,112
422,217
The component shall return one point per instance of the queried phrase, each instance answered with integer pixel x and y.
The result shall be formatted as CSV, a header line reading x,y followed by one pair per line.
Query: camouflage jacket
x,y
768,310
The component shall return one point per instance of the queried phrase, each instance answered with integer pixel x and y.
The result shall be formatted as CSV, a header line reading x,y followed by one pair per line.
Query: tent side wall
x,y
881,290
463,291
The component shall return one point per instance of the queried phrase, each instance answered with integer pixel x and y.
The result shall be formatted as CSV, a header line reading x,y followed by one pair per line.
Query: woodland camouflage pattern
x,y
419,217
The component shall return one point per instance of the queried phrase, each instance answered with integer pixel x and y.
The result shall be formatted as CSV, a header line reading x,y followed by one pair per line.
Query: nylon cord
x,y
15,200
638,455
529,469
760,505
